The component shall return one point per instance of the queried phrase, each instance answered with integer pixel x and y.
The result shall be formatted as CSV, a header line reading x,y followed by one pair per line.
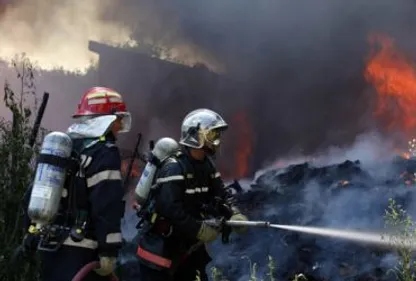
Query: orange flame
x,y
244,144
135,174
405,155
135,171
394,78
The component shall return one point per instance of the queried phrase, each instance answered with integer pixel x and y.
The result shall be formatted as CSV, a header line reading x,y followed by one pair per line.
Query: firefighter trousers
x,y
64,264
192,266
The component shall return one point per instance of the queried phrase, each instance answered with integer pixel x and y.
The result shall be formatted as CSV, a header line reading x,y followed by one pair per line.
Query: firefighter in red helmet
x,y
92,205
100,101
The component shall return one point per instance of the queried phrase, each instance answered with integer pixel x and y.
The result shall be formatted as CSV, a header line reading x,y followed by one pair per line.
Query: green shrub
x,y
16,170
402,233
217,275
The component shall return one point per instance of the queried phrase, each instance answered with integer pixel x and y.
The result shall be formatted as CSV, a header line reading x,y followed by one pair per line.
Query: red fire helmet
x,y
99,101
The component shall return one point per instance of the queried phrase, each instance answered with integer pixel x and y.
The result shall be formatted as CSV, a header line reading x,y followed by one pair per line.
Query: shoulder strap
x,y
73,193
213,169
212,164
87,143
183,169
177,157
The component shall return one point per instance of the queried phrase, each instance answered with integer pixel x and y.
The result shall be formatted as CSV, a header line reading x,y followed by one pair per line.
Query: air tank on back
x,y
164,148
49,179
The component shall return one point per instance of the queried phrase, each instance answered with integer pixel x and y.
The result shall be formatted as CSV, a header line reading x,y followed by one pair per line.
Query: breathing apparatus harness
x,y
147,215
73,220
148,218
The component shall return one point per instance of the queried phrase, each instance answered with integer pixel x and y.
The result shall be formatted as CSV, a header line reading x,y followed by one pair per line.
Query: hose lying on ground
x,y
87,268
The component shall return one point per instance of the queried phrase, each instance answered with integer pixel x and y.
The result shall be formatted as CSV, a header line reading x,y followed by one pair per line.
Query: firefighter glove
x,y
207,233
239,217
107,265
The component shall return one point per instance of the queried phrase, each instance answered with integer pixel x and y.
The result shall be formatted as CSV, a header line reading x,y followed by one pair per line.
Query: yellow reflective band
x,y
84,243
103,95
32,229
154,217
216,175
103,176
114,238
114,99
170,178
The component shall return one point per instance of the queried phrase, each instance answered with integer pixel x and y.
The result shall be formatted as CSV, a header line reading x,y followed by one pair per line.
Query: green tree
x,y
16,169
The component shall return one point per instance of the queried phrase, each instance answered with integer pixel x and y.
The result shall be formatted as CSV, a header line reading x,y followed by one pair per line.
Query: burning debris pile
x,y
344,195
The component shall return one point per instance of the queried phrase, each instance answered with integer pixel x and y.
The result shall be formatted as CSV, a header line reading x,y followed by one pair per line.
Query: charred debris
x,y
344,195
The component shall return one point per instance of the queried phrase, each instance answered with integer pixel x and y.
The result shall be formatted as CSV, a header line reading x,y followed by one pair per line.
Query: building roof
x,y
103,49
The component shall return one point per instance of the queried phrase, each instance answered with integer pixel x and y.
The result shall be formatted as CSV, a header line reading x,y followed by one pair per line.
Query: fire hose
x,y
88,268
381,239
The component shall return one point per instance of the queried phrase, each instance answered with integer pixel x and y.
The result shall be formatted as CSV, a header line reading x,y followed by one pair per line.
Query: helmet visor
x,y
125,118
213,136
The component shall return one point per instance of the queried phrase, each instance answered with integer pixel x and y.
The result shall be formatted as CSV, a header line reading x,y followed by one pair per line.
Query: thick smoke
x,y
298,66
303,63
64,90
56,34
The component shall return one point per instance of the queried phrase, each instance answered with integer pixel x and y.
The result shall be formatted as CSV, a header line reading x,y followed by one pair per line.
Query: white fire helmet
x,y
202,128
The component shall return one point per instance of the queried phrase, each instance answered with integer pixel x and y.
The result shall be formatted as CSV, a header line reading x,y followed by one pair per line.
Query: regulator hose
x,y
89,267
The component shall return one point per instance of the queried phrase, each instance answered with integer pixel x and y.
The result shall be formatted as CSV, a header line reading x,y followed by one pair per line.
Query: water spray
x,y
351,235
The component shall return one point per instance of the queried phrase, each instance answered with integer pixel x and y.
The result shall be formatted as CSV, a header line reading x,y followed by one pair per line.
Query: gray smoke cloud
x,y
298,65
296,69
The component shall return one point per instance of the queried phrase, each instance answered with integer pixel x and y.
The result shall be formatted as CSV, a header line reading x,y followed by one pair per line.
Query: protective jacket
x,y
177,206
95,198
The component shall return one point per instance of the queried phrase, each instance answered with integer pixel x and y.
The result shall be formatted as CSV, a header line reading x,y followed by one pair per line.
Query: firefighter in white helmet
x,y
173,235
87,225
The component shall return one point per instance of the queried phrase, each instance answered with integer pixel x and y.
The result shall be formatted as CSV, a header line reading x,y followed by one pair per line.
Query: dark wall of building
x,y
159,94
